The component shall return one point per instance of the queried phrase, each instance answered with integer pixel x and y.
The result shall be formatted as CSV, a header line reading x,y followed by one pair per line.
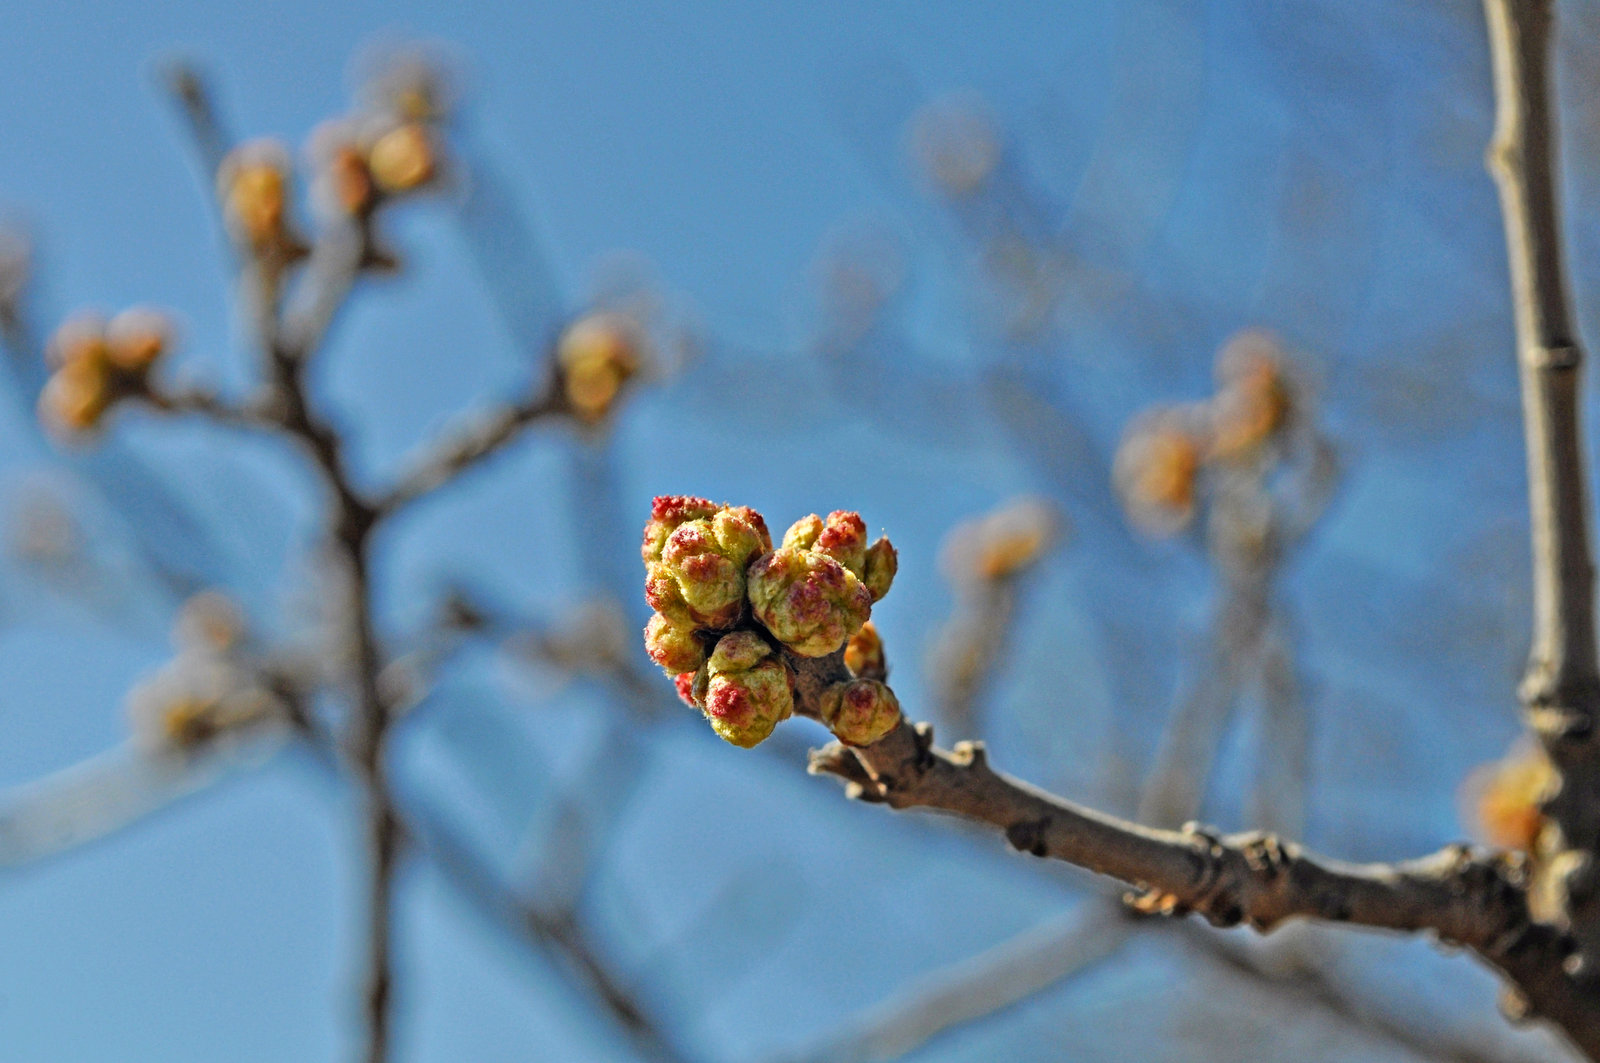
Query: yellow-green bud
x,y
744,689
809,601
674,647
860,712
879,568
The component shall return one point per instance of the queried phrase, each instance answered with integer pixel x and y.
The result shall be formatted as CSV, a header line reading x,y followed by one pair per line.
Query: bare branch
x,y
477,443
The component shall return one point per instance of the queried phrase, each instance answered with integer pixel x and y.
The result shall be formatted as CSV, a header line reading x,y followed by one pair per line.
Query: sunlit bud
x,y
709,572
1000,544
81,338
809,601
136,338
76,396
878,569
803,532
1254,399
349,181
403,159
957,144
1157,469
744,689
860,712
597,354
667,512
863,654
253,184
1502,799
673,646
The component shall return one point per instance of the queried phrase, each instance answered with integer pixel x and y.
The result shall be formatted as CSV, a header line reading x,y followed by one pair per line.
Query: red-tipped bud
x,y
860,712
744,689
674,647
810,602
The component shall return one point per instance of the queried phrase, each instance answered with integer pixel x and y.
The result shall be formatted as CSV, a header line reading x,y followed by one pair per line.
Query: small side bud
x,y
1157,470
802,534
403,159
673,646
596,356
744,689
253,185
684,683
137,338
860,712
878,570
863,654
809,601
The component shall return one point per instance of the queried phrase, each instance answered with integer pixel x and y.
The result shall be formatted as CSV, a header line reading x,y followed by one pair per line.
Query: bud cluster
x,y
734,616
95,364
211,688
1165,453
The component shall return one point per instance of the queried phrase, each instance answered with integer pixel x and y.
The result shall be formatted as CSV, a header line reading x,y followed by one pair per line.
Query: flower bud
x,y
860,712
137,338
1502,799
882,562
253,185
1254,399
1157,470
744,689
403,159
863,654
597,354
76,396
684,683
802,534
842,536
666,513
705,560
809,601
673,646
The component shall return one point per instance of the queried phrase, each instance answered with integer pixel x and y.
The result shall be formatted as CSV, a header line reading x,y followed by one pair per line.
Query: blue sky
x,y
1212,164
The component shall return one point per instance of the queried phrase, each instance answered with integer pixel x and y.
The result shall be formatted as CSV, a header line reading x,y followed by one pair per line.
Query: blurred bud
x,y
1002,543
137,338
403,159
43,528
809,601
863,654
744,689
596,356
209,622
1254,397
81,338
1157,470
860,712
253,185
76,396
674,647
1501,800
194,700
957,145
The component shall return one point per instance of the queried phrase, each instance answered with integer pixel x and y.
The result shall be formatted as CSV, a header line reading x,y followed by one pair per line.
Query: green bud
x,y
674,647
860,712
882,562
744,689
809,601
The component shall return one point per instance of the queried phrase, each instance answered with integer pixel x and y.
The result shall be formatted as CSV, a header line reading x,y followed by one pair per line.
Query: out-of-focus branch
x,y
453,456
1561,688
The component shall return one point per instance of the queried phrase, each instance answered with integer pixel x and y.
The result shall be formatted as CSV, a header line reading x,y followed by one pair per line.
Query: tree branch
x,y
451,457
1561,689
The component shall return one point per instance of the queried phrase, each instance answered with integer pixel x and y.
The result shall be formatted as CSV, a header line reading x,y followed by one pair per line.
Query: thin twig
x,y
451,457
